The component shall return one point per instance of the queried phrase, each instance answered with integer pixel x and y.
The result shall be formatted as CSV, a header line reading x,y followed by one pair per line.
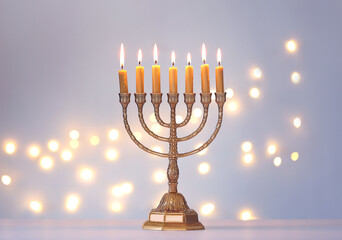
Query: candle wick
x,y
203,61
155,61
139,63
173,64
189,63
219,63
121,67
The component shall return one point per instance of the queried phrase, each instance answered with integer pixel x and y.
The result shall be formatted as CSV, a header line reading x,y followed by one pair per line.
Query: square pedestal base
x,y
187,220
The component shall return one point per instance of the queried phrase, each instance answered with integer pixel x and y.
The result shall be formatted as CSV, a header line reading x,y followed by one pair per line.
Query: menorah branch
x,y
125,100
140,100
189,99
220,100
205,100
156,99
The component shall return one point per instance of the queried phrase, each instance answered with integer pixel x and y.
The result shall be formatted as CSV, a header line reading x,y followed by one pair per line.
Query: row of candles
x,y
172,74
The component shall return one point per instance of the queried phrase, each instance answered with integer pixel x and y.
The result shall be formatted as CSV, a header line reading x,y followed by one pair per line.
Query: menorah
x,y
173,212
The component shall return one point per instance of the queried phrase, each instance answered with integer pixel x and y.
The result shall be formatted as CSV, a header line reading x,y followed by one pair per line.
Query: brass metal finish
x,y
173,212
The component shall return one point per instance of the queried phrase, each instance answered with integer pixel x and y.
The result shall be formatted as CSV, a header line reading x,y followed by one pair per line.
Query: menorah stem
x,y
172,170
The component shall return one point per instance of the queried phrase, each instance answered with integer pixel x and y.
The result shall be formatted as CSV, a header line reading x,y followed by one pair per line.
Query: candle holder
x,y
173,212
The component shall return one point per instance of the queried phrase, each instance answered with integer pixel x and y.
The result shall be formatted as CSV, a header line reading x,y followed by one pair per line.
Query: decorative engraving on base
x,y
172,202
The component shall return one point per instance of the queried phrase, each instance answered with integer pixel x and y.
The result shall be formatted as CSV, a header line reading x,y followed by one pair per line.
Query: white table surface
x,y
131,229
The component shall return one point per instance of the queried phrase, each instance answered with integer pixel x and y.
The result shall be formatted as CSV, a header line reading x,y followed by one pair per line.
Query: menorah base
x,y
173,213
181,221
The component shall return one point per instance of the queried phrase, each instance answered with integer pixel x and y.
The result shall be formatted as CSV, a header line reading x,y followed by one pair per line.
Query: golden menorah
x,y
173,212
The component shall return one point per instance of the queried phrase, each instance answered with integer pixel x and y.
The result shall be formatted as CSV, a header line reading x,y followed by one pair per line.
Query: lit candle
x,y
140,74
205,72
173,75
219,73
122,73
189,76
155,72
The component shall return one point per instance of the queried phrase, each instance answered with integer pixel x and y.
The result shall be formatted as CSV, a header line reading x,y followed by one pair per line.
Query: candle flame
x,y
204,53
173,58
189,59
219,56
122,56
139,56
155,53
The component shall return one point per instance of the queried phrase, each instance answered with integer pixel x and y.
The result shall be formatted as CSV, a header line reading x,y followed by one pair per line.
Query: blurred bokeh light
x,y
6,180
246,146
86,174
257,73
74,144
297,122
74,134
248,158
294,156
66,155
72,202
36,206
207,209
254,92
203,168
111,154
34,151
116,206
10,147
232,106
230,92
246,215
46,163
113,134
159,176
295,77
94,140
53,145
271,149
291,46
277,161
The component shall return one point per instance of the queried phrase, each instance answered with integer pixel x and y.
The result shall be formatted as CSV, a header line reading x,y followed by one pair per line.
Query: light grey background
x,y
58,71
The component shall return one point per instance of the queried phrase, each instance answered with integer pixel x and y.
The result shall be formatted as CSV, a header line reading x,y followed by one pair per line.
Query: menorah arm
x,y
205,100
199,128
159,120
189,99
140,99
156,99
124,100
220,99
